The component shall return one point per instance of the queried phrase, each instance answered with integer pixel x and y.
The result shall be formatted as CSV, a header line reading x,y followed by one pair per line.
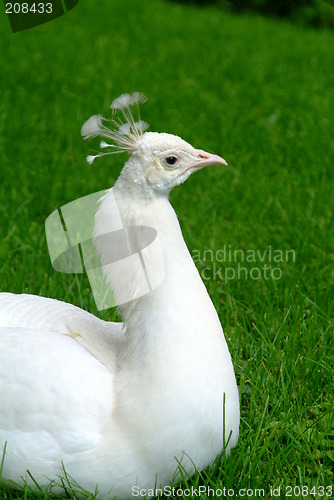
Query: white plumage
x,y
120,404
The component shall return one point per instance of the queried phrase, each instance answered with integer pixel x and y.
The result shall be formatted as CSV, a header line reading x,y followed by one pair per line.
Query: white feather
x,y
127,100
123,101
91,158
104,145
141,126
92,127
124,129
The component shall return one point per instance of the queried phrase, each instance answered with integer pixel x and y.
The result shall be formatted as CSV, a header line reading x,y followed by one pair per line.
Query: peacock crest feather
x,y
123,130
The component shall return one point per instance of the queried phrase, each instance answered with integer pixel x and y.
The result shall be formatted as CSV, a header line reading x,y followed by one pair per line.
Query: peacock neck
x,y
179,306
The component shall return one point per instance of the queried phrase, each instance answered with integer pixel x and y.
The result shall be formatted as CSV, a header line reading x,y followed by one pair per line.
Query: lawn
x,y
260,93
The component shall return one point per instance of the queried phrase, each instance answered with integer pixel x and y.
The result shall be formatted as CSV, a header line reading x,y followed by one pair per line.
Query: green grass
x,y
260,93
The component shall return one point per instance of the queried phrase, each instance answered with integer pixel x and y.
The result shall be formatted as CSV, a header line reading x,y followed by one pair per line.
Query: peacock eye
x,y
171,160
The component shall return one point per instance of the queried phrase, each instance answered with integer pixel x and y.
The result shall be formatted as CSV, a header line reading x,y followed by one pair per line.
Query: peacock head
x,y
158,161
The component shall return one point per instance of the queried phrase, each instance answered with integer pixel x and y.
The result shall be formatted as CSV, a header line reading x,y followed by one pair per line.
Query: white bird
x,y
120,405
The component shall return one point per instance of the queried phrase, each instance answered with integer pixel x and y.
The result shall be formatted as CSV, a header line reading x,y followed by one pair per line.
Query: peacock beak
x,y
205,159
